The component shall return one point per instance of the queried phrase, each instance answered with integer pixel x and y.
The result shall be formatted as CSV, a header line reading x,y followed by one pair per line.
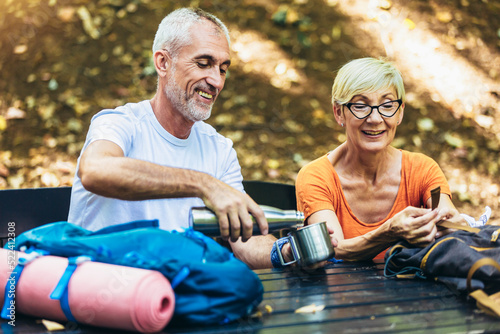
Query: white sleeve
x,y
232,171
112,125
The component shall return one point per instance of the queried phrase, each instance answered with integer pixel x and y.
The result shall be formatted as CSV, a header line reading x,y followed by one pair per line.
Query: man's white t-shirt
x,y
136,130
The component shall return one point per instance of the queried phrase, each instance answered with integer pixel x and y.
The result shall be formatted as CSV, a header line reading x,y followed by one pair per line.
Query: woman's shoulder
x,y
417,160
318,170
416,156
320,164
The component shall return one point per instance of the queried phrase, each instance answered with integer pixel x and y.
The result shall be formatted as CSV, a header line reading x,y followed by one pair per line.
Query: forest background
x,y
61,61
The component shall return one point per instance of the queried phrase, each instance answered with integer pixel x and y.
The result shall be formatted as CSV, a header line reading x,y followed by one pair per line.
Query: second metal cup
x,y
310,245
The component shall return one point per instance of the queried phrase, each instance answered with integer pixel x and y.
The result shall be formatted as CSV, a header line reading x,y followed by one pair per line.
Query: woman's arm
x,y
416,225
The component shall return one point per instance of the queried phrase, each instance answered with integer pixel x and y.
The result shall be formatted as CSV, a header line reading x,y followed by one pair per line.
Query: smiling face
x,y
374,133
198,73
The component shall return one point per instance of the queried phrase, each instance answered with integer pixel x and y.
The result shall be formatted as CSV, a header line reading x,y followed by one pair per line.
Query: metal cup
x,y
310,245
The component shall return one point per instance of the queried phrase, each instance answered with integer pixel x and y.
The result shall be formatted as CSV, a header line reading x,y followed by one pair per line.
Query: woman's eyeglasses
x,y
361,110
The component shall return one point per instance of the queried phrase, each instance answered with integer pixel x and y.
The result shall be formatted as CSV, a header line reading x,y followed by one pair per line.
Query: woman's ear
x,y
337,112
401,113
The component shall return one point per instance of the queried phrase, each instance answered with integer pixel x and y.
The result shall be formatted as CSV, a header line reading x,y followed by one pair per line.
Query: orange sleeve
x,y
424,174
313,187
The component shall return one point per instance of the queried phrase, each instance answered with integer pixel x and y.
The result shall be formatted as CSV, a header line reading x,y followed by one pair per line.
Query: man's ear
x,y
162,61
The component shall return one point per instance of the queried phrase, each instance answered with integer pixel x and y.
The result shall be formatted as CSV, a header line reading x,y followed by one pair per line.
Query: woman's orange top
x,y
318,188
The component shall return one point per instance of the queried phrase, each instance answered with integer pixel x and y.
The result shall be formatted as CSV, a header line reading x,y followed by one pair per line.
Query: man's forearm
x,y
256,252
132,179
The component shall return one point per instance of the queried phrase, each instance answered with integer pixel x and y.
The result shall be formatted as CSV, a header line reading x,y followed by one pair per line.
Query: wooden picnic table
x,y
356,295
357,298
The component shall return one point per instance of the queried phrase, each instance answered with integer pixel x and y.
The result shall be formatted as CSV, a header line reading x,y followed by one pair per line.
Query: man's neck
x,y
172,121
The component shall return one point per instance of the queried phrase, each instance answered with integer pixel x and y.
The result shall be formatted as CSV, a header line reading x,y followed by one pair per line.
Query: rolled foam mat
x,y
99,294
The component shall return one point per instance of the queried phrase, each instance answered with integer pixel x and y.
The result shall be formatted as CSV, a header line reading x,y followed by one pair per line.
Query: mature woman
x,y
371,194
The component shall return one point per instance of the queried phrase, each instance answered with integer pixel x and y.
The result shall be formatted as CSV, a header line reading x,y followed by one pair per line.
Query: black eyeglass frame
x,y
399,101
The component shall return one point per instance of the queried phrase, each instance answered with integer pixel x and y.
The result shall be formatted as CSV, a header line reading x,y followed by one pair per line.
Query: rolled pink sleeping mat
x,y
99,294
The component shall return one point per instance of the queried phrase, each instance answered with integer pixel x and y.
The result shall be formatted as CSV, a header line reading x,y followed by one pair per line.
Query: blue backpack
x,y
211,286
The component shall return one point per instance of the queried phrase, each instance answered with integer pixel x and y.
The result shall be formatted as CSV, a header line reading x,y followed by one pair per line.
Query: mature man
x,y
157,158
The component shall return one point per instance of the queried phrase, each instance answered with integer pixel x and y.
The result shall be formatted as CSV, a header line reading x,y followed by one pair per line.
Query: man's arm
x,y
256,252
104,170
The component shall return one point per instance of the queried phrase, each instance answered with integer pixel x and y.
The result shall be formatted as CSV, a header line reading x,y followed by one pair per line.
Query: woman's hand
x,y
448,212
334,244
287,253
451,215
416,225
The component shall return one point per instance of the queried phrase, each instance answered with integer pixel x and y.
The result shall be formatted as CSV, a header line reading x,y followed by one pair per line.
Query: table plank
x,y
357,299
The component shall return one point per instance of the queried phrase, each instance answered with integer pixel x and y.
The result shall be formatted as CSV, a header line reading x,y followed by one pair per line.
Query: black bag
x,y
464,260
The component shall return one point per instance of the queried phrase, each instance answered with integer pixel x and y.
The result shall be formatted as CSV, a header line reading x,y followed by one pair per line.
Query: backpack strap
x,y
128,226
457,226
180,276
60,292
490,304
435,196
10,287
406,272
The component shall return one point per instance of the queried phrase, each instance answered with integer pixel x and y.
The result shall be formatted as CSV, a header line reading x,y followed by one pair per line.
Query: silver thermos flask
x,y
204,220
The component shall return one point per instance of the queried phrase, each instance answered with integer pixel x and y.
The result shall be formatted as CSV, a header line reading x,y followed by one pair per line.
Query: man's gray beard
x,y
188,107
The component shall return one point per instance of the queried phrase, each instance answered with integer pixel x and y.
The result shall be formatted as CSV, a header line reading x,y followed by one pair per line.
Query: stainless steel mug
x,y
310,245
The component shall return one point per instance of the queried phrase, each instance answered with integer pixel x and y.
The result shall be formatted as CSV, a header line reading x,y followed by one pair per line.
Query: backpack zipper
x,y
494,235
424,259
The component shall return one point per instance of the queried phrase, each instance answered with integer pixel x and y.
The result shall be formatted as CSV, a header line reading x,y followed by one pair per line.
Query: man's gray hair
x,y
173,31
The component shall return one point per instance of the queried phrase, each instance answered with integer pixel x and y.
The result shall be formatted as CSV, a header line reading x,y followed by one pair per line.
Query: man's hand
x,y
234,210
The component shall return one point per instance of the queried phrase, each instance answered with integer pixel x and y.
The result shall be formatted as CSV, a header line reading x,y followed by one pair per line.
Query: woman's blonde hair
x,y
366,75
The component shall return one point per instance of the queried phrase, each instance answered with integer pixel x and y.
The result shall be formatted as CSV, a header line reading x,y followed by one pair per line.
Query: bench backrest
x,y
24,209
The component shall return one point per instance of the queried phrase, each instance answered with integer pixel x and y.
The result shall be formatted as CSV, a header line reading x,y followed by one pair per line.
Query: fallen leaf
x,y
385,4
425,124
273,164
3,170
3,123
15,181
336,32
310,309
453,140
47,112
52,326
3,183
409,24
15,113
53,85
20,49
66,14
444,17
88,23
49,180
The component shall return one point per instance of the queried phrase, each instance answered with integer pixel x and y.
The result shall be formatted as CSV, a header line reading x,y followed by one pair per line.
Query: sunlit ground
x,y
433,66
